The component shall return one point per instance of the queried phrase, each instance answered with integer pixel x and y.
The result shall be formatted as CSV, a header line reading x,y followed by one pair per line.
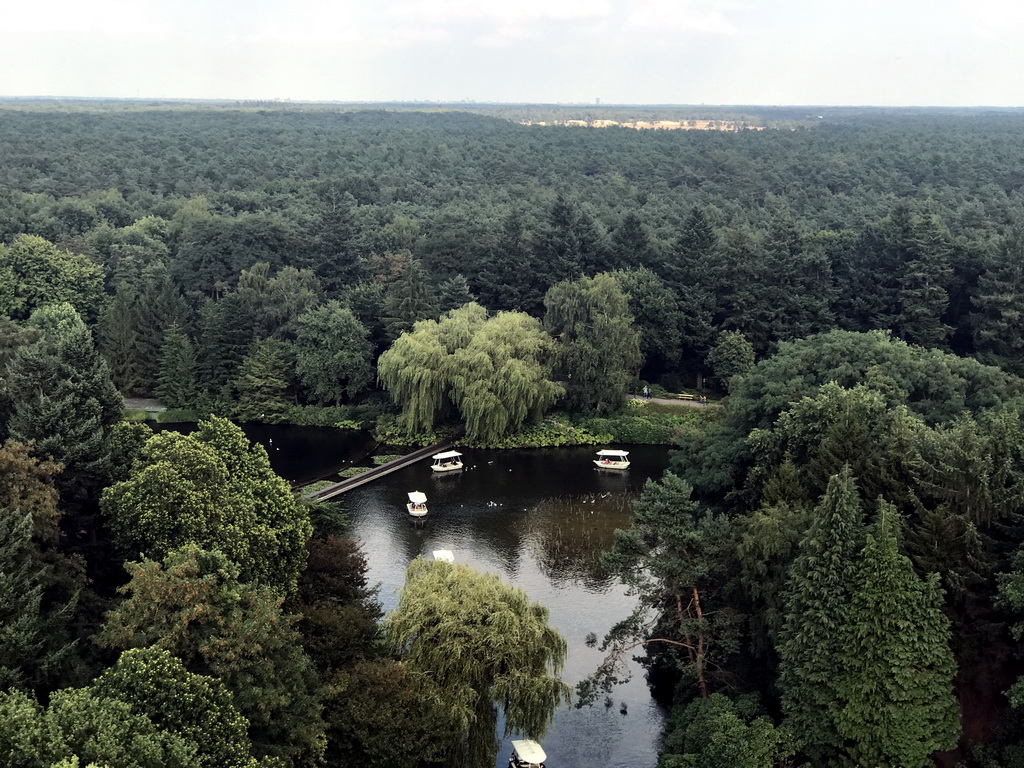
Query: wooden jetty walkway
x,y
378,472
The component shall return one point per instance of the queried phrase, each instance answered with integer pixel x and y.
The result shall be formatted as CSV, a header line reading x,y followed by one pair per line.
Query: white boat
x,y
526,753
444,555
449,461
417,505
608,459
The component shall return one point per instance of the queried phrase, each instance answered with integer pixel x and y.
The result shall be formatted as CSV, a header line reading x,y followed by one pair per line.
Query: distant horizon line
x,y
473,102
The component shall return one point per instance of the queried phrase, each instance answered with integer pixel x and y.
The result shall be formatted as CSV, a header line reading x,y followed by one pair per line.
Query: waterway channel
x,y
540,519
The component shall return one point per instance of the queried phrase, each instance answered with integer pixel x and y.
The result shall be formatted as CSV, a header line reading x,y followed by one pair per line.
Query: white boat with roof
x,y
444,555
611,459
417,505
526,753
449,461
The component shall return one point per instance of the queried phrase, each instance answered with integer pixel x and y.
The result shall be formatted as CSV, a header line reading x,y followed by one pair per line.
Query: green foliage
x,y
598,345
819,589
998,303
732,356
493,369
645,425
177,416
197,708
551,433
896,704
338,607
718,732
212,488
64,400
332,353
262,381
486,645
669,558
194,606
177,385
80,725
34,273
383,715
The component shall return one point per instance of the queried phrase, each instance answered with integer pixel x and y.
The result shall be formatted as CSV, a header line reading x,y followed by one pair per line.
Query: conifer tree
x,y
810,647
118,341
453,293
262,382
999,300
895,702
177,387
409,298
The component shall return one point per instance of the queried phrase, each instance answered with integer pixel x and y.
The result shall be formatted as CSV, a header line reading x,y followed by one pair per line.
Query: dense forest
x,y
830,574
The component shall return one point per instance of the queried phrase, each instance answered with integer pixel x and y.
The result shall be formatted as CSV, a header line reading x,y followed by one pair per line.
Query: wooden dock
x,y
378,472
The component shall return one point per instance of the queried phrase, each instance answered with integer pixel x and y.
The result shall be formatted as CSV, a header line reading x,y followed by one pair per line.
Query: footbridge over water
x,y
378,472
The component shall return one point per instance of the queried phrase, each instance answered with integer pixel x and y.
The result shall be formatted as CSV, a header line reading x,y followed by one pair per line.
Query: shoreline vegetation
x,y
656,421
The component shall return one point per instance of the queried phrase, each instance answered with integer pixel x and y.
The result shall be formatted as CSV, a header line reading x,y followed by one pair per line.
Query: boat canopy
x,y
417,497
445,555
446,455
623,454
529,751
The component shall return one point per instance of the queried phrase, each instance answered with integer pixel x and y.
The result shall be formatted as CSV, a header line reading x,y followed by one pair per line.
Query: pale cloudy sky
x,y
879,52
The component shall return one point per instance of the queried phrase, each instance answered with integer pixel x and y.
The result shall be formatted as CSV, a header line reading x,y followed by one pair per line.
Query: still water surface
x,y
540,519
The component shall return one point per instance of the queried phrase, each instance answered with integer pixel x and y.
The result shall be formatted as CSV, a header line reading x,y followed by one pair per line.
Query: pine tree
x,y
408,299
923,294
118,342
177,387
262,382
999,299
821,580
453,293
895,702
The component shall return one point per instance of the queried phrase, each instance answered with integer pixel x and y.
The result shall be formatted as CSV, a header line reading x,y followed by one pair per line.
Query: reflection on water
x,y
540,519
568,534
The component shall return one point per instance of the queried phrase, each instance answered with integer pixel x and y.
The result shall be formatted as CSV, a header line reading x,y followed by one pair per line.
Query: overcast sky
x,y
879,52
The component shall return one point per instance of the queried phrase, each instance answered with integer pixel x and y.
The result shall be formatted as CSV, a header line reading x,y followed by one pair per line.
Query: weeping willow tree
x,y
494,370
486,646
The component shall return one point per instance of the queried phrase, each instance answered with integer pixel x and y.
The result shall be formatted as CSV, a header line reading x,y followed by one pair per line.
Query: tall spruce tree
x,y
999,301
821,580
262,382
895,703
178,386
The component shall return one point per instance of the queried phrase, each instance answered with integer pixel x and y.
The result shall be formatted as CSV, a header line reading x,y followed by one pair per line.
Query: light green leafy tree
x,y
732,356
495,370
486,645
84,728
718,732
197,708
215,489
34,272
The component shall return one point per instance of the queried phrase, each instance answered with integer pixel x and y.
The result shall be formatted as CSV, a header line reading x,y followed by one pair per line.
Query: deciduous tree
x,y
486,645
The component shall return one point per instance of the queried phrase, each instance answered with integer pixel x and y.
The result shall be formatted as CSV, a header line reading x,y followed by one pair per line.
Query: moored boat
x,y
417,505
611,459
526,753
449,461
